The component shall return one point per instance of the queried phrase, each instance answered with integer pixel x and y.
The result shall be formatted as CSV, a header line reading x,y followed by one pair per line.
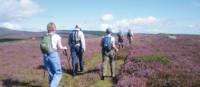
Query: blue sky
x,y
142,16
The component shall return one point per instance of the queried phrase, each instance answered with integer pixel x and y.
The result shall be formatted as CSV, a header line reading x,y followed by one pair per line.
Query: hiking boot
x,y
83,70
73,74
113,77
102,77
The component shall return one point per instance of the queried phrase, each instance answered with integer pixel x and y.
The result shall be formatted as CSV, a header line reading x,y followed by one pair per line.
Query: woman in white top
x,y
52,60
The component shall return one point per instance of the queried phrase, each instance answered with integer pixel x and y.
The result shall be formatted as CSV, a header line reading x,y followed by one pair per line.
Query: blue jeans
x,y
77,53
53,66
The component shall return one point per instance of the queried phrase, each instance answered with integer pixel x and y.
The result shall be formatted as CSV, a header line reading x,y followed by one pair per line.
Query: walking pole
x,y
44,74
68,59
44,69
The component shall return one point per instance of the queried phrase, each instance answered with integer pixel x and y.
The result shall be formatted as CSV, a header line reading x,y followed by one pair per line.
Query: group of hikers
x,y
51,43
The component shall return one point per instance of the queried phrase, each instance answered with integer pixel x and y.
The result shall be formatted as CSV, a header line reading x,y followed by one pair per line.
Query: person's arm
x,y
69,40
101,43
113,44
60,44
132,35
82,40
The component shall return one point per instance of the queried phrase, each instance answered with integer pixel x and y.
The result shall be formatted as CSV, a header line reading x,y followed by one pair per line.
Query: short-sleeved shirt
x,y
55,39
82,38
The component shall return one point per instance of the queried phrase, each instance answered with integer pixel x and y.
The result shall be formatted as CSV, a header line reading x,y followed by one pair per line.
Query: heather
x,y
21,65
159,61
152,61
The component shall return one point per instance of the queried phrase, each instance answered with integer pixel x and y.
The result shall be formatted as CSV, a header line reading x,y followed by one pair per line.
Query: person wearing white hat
x,y
76,42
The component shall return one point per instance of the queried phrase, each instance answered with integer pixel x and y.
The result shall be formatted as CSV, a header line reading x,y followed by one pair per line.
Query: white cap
x,y
77,27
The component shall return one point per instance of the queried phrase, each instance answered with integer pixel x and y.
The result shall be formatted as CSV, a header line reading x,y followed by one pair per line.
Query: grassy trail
x,y
91,77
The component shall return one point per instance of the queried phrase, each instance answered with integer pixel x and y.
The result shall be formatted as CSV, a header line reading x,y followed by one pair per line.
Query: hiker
x,y
51,43
130,36
77,48
120,39
108,52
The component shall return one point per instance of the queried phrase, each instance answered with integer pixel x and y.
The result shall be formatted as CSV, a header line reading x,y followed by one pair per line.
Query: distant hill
x,y
97,33
15,34
8,33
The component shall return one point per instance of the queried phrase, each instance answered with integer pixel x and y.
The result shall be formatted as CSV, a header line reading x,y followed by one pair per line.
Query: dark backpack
x,y
106,44
74,38
120,37
129,34
46,44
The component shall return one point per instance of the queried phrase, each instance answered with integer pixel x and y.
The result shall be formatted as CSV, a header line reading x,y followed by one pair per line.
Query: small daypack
x,y
120,36
130,34
106,44
46,44
75,39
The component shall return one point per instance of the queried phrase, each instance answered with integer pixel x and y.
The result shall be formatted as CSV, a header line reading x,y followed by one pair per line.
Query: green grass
x,y
102,83
84,80
9,40
108,82
155,57
98,33
78,81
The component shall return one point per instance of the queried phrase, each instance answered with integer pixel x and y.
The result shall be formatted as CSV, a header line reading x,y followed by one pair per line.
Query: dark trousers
x,y
130,40
77,54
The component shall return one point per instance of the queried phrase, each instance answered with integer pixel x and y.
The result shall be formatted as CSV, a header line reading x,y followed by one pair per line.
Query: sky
x,y
141,16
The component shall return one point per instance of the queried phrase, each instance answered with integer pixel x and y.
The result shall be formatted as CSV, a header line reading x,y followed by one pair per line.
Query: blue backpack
x,y
106,44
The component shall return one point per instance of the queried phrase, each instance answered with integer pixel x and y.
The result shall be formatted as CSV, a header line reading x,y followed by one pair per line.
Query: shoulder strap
x,y
51,41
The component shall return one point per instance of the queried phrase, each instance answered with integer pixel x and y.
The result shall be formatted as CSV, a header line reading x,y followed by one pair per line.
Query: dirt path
x,y
91,77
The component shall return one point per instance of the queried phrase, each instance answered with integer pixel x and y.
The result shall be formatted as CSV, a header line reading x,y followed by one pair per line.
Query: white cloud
x,y
13,10
104,26
194,26
132,23
10,25
107,17
144,21
152,24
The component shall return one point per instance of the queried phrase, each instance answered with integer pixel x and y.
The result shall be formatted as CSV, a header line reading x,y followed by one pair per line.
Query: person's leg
x,y
112,63
105,62
81,61
129,41
74,60
118,42
119,45
122,43
48,66
101,73
57,69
